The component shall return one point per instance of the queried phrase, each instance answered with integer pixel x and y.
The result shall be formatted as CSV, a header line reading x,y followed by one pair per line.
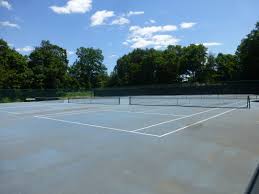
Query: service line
x,y
147,113
188,116
198,122
169,121
72,112
96,126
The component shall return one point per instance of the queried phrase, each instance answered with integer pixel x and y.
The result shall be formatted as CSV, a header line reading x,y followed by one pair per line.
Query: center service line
x,y
188,116
174,119
198,122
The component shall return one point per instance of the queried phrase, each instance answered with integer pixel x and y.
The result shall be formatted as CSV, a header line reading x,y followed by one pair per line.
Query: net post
x,y
119,100
248,102
129,100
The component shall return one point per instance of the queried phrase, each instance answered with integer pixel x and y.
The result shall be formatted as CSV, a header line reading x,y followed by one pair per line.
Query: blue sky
x,y
119,26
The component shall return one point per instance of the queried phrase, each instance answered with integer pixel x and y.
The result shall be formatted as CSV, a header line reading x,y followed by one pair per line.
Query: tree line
x,y
47,66
190,63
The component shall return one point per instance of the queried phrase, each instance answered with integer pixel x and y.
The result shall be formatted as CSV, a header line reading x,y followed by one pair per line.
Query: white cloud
x,y
120,21
100,17
132,13
148,31
208,44
103,17
156,41
9,24
142,37
113,56
151,21
5,4
141,43
25,49
70,52
126,43
186,25
164,40
73,6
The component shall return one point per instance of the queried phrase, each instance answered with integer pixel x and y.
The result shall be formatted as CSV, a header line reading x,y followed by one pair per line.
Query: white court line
x,y
96,126
162,108
14,113
175,119
188,116
37,105
146,113
37,111
198,122
110,110
153,109
73,112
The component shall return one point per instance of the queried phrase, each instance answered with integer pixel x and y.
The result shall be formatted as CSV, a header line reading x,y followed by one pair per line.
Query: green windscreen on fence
x,y
234,87
12,95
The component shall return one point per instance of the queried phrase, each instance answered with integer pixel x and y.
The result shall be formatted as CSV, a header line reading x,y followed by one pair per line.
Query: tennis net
x,y
95,100
208,101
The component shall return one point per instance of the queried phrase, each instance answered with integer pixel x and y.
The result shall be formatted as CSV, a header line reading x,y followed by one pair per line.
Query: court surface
x,y
61,148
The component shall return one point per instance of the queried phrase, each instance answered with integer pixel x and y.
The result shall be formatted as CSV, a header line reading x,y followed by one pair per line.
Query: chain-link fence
x,y
12,95
237,87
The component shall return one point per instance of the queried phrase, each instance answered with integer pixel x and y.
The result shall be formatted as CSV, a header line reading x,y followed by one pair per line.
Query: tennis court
x,y
138,144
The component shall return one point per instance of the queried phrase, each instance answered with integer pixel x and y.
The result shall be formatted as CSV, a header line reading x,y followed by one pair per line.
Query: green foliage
x,y
248,55
88,68
227,68
136,68
49,65
209,72
149,66
77,94
192,61
13,68
168,70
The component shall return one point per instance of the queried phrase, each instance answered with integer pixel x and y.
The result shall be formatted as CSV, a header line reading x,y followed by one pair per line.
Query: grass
x,y
9,100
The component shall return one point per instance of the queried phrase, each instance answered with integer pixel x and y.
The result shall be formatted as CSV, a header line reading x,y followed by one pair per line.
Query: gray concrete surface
x,y
68,148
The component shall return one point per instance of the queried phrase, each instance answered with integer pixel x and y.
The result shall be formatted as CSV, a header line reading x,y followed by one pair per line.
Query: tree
x,y
248,55
152,66
89,67
227,67
138,67
209,74
168,70
49,65
13,68
193,59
